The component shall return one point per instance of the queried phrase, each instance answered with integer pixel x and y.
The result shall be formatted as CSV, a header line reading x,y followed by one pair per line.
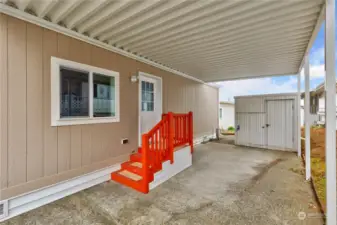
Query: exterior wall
x,y
256,108
321,103
228,116
34,154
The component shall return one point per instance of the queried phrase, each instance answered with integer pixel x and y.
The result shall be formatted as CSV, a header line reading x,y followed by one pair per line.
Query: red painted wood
x,y
157,146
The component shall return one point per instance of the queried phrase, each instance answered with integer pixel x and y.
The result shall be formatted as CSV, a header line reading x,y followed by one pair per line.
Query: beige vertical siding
x,y
34,154
50,142
34,100
3,101
17,104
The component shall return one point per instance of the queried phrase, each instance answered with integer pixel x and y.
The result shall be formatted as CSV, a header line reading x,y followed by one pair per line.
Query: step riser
x,y
137,185
135,170
136,158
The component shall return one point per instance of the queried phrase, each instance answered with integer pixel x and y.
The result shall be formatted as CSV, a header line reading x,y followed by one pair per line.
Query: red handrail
x,y
158,144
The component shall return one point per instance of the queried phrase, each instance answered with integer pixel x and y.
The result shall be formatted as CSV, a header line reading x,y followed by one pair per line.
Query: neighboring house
x,y
226,115
317,104
72,112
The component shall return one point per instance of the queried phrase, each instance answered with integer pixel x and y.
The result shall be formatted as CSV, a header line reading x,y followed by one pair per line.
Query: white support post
x,y
307,118
299,114
330,112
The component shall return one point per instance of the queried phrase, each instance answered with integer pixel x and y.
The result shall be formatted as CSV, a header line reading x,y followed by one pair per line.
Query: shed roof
x,y
210,40
226,103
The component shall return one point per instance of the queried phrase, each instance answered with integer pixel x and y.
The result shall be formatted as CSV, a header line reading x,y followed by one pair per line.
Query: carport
x,y
207,41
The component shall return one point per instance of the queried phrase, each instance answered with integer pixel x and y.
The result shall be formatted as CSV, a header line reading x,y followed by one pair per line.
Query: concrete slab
x,y
227,184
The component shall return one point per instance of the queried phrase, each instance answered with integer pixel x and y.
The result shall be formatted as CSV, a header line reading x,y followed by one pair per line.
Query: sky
x,y
281,84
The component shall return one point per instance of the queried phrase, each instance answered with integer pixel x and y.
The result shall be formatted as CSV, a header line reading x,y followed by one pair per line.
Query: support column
x,y
299,115
307,118
330,112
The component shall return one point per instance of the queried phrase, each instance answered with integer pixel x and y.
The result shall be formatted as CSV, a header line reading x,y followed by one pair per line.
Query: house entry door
x,y
150,103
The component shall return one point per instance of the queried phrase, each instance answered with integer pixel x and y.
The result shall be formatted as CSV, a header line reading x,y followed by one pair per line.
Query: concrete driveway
x,y
226,185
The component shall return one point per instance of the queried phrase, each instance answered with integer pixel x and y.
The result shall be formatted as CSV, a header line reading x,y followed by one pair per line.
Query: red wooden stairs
x,y
158,146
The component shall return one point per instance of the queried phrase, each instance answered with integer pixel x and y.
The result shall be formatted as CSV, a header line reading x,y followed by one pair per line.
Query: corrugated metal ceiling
x,y
211,40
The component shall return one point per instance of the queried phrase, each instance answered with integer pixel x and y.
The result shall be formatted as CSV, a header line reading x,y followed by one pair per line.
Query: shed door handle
x,y
267,125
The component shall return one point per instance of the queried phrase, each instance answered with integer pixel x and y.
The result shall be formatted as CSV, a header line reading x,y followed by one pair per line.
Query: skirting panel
x,y
26,202
182,160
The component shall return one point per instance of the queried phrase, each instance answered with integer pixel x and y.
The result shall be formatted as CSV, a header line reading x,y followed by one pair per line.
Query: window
x,y
104,96
74,97
83,94
220,113
147,96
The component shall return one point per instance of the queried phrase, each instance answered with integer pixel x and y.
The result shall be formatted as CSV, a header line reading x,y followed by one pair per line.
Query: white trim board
x,y
57,28
29,201
200,139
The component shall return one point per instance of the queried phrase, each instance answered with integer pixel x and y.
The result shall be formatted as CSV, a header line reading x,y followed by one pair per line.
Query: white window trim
x,y
56,63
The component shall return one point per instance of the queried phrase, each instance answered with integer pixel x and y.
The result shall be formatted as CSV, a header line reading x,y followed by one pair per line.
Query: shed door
x,y
280,124
257,129
250,129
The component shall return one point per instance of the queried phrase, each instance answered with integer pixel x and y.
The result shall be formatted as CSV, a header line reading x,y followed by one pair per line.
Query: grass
x,y
318,162
318,176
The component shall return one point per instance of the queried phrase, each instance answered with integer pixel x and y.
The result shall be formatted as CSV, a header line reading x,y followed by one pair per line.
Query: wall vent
x,y
3,209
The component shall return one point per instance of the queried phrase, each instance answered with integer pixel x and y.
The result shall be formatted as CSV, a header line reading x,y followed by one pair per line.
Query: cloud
x,y
269,85
316,71
229,89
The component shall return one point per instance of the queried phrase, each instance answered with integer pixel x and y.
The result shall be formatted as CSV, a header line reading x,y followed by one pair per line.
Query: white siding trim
x,y
29,201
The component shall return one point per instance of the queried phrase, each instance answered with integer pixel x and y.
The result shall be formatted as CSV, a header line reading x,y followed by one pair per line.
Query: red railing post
x,y
145,162
190,129
185,137
170,136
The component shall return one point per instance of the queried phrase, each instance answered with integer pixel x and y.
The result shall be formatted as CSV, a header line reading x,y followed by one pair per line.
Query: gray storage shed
x,y
267,121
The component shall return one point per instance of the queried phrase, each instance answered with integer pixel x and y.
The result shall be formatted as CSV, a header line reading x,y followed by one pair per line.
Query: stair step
x,y
137,185
133,169
137,164
136,168
130,175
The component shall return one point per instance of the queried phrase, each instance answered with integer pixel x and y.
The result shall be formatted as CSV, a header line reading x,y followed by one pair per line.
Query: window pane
x,y
147,86
151,97
104,95
147,96
150,106
74,93
143,85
